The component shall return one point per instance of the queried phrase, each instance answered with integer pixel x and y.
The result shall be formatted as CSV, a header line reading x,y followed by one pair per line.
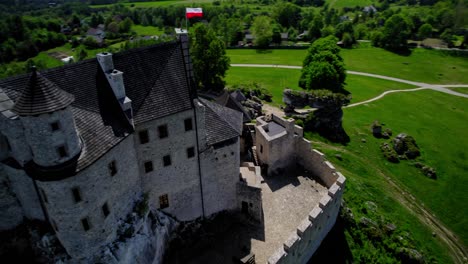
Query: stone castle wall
x,y
220,175
44,142
96,187
11,213
303,242
180,180
23,187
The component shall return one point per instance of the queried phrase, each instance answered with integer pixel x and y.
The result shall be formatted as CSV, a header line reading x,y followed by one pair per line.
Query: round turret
x,y
48,122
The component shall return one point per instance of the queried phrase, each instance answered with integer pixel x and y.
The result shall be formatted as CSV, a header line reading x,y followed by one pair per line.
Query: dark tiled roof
x,y
154,79
41,96
221,123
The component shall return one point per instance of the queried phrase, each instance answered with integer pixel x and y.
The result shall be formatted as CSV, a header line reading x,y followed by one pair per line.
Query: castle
x,y
81,144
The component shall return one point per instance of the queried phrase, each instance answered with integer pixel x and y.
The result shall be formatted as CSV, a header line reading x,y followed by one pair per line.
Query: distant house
x,y
65,29
249,38
303,35
369,9
284,36
344,18
97,33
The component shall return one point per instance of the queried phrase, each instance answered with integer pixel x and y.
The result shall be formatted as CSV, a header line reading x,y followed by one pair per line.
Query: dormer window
x,y
62,151
55,126
112,168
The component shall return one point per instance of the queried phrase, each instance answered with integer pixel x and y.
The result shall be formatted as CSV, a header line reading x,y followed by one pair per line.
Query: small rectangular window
x,y
261,148
62,151
113,168
143,135
105,210
55,126
148,166
190,152
188,124
85,224
167,160
163,201
163,131
76,195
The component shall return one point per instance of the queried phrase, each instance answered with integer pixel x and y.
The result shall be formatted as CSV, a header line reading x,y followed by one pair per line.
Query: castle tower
x,y
49,127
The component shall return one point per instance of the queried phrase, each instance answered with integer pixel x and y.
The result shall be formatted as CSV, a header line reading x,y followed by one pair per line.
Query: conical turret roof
x,y
41,96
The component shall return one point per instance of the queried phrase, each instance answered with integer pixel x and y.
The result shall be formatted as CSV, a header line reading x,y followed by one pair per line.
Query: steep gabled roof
x,y
221,123
154,78
41,96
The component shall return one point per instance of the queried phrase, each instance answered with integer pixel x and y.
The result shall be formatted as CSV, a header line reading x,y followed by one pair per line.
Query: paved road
x,y
435,87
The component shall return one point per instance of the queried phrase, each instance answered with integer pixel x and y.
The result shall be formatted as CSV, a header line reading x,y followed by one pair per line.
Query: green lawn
x,y
276,79
438,123
147,30
157,3
430,66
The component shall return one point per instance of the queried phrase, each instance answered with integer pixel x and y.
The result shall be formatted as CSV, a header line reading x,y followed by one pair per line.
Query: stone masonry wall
x,y
220,175
276,151
96,187
23,187
13,130
315,162
44,142
11,213
180,180
303,242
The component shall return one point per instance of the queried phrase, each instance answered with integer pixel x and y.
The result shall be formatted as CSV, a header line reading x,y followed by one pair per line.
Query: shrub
x,y
389,153
252,89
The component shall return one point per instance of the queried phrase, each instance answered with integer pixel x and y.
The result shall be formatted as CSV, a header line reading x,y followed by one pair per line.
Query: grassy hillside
x,y
430,66
438,123
276,80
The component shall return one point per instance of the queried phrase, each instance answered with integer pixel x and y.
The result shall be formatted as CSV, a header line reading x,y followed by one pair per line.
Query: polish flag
x,y
193,12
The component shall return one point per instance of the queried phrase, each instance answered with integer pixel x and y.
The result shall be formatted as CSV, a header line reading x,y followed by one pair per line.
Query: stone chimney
x,y
115,79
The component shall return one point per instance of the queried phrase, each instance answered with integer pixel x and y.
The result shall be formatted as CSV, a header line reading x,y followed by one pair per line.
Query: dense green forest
x,y
31,27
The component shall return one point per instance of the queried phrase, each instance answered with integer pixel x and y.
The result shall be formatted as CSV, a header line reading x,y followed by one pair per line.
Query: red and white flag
x,y
193,12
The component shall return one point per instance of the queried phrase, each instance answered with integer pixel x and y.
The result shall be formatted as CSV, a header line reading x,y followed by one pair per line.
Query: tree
x,y
209,59
447,37
396,32
81,54
263,31
287,14
425,31
323,67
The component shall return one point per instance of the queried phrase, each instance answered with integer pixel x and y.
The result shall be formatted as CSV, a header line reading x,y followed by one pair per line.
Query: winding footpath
x,y
457,249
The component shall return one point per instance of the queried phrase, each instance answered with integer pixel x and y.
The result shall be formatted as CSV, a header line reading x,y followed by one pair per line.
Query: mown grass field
x,y
438,123
276,80
147,30
430,66
157,3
